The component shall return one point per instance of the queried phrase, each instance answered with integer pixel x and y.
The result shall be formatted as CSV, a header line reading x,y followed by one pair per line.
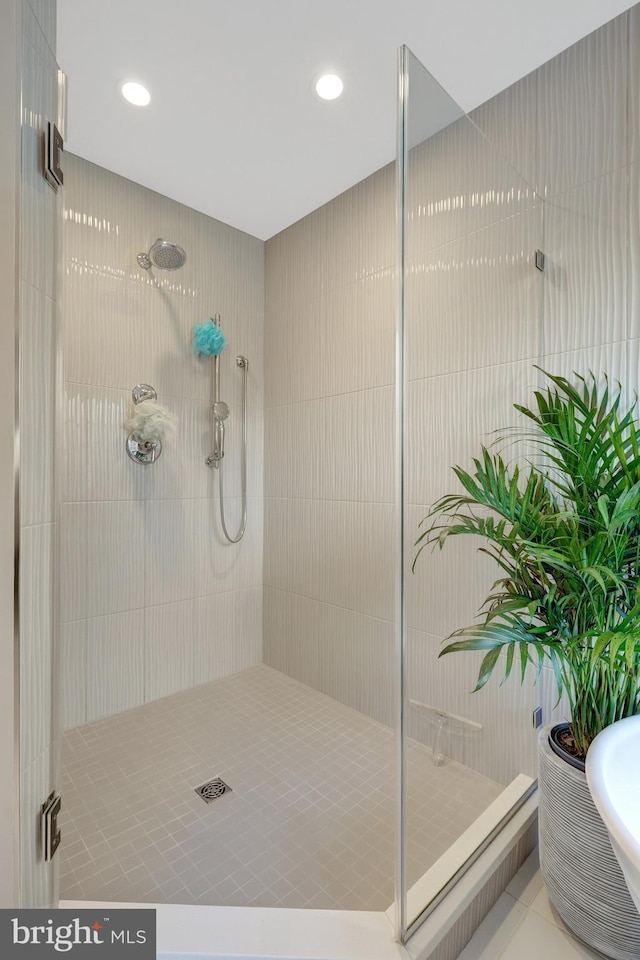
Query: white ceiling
x,y
233,128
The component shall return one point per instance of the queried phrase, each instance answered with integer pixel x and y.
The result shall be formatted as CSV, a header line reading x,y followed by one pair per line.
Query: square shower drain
x,y
213,789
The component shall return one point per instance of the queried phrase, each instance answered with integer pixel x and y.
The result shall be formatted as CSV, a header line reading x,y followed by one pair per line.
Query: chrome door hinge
x,y
49,830
53,149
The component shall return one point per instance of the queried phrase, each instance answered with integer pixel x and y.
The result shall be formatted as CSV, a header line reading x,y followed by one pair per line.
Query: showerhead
x,y
163,255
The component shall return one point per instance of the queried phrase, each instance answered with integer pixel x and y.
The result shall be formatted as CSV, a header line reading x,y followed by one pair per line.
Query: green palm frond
x,y
564,532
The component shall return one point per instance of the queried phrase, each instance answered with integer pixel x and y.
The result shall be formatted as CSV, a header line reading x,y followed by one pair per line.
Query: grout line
x,y
165,603
145,500
376,503
326,603
330,396
168,396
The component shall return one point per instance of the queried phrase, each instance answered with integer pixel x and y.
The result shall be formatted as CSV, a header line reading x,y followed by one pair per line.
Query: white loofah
x,y
151,422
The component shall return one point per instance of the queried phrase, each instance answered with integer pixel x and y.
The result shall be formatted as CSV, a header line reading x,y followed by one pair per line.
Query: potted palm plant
x,y
564,531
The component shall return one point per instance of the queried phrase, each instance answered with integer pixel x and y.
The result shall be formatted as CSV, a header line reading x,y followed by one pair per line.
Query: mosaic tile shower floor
x,y
309,821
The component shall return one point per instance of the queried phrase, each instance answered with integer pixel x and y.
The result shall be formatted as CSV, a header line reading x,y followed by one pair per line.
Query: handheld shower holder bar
x,y
220,412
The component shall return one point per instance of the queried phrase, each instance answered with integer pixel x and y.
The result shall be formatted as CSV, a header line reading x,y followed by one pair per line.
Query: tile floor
x,y
309,821
524,926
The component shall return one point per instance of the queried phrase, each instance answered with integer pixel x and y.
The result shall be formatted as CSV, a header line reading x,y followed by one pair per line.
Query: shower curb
x,y
263,933
448,929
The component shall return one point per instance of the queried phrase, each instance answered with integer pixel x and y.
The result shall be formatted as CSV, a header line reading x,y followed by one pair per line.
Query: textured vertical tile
x,y
457,183
338,448
36,632
38,201
357,660
92,227
229,266
188,556
98,331
586,242
73,659
377,223
358,541
619,362
292,636
633,253
355,230
115,663
634,83
215,636
506,743
168,649
221,565
102,550
294,550
293,343
248,647
477,301
359,443
96,464
582,103
45,14
227,633
288,430
434,600
36,406
332,551
181,473
173,529
356,346
510,123
296,257
450,417
36,876
151,536
161,323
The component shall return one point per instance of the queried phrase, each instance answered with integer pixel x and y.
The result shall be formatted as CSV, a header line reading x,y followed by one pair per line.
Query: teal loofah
x,y
208,339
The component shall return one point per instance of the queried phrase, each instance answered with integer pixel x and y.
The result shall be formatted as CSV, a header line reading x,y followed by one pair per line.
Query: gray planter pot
x,y
582,876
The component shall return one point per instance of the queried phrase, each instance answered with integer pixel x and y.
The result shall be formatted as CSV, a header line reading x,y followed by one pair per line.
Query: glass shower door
x,y
469,333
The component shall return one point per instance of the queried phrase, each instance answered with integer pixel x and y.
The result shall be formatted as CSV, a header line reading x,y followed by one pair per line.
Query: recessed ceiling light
x,y
329,86
135,93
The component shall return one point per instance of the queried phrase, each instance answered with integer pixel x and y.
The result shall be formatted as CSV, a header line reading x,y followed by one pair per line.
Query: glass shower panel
x,y
471,305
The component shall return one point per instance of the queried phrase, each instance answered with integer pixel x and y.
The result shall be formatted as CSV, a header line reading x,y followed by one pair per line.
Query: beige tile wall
x,y
40,210
329,454
480,316
153,600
